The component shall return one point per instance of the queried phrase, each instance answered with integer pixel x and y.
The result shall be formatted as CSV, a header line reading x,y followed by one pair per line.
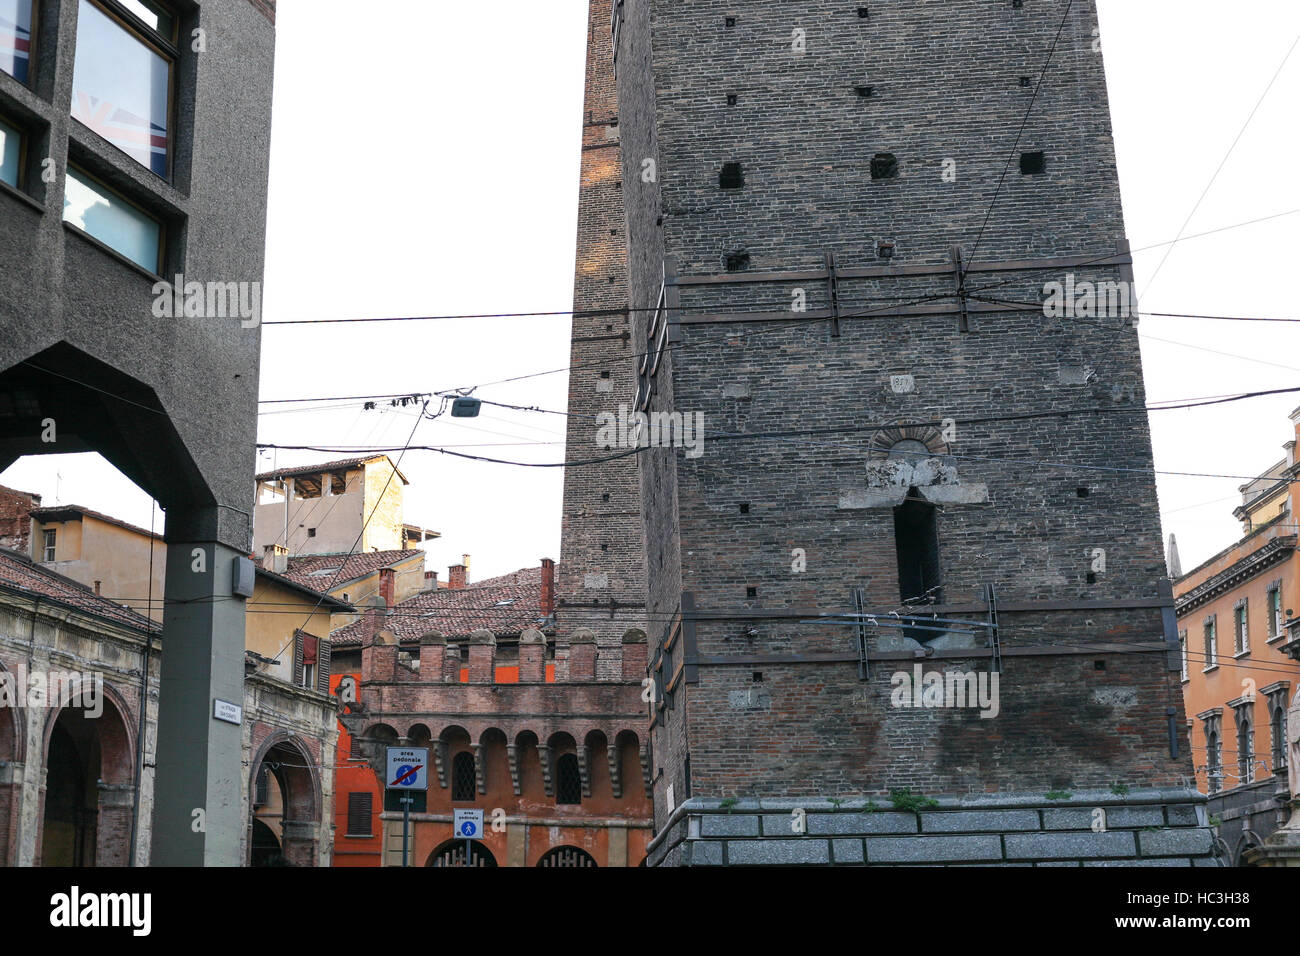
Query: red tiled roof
x,y
18,572
316,571
457,612
344,463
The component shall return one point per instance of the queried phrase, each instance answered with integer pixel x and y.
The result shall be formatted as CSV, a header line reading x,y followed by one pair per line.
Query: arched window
x,y
567,856
568,784
463,782
916,540
452,853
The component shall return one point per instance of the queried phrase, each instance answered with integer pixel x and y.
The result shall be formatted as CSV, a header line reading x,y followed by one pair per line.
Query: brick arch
x,y
599,784
494,763
13,729
112,742
299,778
528,758
419,735
629,762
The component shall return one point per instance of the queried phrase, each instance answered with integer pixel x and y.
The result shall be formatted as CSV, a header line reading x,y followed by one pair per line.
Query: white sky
x,y
442,178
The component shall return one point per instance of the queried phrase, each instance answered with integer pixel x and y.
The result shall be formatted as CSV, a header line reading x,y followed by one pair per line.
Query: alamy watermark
x,y
209,300
948,689
40,689
1094,300
653,430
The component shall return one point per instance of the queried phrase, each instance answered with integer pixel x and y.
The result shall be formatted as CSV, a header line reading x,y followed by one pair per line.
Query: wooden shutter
x,y
360,807
297,658
323,667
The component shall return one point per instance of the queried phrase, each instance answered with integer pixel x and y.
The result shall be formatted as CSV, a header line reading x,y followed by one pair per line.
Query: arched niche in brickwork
x,y
297,774
494,764
89,761
528,761
452,740
596,772
628,745
419,735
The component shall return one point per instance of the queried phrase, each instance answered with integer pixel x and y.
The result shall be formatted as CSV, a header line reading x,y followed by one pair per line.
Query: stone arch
x,y
566,768
297,776
89,760
419,735
12,748
1247,841
567,856
885,439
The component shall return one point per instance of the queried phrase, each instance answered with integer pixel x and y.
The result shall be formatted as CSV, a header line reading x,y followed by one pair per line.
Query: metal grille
x,y
568,788
567,856
462,776
455,856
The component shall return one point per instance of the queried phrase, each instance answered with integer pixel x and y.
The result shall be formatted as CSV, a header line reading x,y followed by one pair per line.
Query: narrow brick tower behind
x,y
601,580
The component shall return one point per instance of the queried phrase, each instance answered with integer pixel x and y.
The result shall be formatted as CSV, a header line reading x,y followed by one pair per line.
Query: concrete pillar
x,y
532,656
198,818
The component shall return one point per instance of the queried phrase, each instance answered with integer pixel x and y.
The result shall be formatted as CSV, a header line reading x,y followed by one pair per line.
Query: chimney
x,y
97,584
431,580
548,587
387,585
275,558
456,576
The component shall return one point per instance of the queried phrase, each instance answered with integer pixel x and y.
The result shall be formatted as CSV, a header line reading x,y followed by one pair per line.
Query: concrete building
x,y
323,509
132,229
124,563
848,415
541,730
1241,661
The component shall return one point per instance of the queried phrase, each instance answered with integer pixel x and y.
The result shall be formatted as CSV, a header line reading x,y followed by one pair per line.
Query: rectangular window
x,y
122,82
11,155
360,814
114,221
49,545
1240,624
16,38
1182,646
1211,648
1275,611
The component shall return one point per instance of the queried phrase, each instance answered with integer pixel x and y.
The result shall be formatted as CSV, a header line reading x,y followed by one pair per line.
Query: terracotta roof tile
x,y
17,571
504,605
316,571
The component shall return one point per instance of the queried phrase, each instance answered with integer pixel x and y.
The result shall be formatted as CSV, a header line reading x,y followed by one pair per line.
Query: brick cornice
x,y
1277,550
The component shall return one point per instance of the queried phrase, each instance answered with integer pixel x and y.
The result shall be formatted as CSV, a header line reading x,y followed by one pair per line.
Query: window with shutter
x,y
360,814
323,667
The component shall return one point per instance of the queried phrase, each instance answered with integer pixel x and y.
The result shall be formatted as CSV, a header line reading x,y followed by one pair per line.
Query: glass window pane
x,y
16,38
112,220
152,14
121,87
9,154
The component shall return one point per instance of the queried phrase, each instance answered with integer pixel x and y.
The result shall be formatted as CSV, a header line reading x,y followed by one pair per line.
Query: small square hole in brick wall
x,y
1017,4
604,374
731,22
732,99
1083,492
757,677
751,592
1032,164
1099,665
604,547
744,508
605,496
884,166
736,261
732,176
1025,82
862,13
1092,577
866,92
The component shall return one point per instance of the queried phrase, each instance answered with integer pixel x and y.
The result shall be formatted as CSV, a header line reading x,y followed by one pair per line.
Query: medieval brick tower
x,y
834,221
600,584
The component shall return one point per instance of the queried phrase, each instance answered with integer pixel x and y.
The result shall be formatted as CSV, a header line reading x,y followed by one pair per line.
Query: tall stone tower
x,y
600,585
841,217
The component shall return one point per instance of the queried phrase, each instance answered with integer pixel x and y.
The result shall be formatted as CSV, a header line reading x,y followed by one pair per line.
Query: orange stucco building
x,y
1236,614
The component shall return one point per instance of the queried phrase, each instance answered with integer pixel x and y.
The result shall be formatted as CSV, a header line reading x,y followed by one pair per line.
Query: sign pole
x,y
406,827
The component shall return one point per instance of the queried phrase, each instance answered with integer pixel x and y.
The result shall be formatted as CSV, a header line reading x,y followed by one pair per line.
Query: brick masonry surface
x,y
1142,828
1031,501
